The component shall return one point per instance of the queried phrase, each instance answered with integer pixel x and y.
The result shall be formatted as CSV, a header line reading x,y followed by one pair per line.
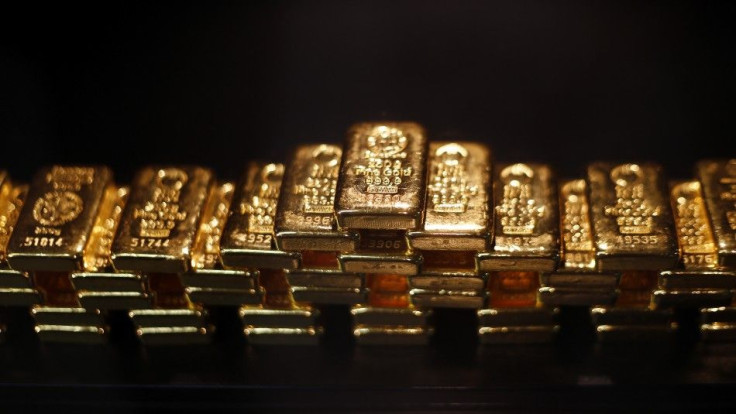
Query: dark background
x,y
219,84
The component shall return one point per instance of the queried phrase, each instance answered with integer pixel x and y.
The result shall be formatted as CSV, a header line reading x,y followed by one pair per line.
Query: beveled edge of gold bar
x,y
225,297
572,296
80,190
168,317
339,241
603,315
505,317
385,218
713,196
220,279
691,298
51,315
258,336
301,317
697,279
135,250
174,335
465,299
108,281
325,278
394,336
497,262
329,295
617,262
451,281
375,316
14,279
19,297
114,300
420,240
580,279
260,259
368,263
81,335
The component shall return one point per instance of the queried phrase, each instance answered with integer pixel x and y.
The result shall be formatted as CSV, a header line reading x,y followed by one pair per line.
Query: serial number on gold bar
x,y
382,178
632,220
305,219
247,240
60,212
526,220
457,208
577,237
718,178
160,222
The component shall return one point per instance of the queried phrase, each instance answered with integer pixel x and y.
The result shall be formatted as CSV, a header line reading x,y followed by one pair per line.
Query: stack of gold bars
x,y
390,226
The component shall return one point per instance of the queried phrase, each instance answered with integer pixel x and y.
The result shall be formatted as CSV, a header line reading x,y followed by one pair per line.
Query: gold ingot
x,y
382,183
718,180
458,213
577,236
247,240
160,222
305,219
632,220
381,252
526,220
54,227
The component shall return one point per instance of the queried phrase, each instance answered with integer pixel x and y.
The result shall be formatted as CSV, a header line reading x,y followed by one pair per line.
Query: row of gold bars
x,y
391,225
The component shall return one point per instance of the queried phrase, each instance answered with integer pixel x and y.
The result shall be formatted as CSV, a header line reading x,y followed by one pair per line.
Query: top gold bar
x,y
694,235
54,226
305,219
718,178
458,209
382,179
632,219
577,237
9,211
160,221
526,221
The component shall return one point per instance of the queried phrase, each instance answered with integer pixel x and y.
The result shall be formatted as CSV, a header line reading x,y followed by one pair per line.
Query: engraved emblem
x,y
634,214
449,189
160,215
692,222
384,153
518,210
318,190
261,208
57,207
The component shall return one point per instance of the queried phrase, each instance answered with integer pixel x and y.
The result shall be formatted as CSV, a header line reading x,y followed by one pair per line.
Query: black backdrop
x,y
218,84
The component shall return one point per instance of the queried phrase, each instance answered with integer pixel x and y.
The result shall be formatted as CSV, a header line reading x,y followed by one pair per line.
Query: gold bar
x,y
52,231
577,236
381,252
305,219
11,203
325,279
458,208
283,336
632,324
526,220
465,299
247,239
206,250
329,295
718,180
392,335
457,280
631,216
382,179
512,326
225,297
718,324
160,222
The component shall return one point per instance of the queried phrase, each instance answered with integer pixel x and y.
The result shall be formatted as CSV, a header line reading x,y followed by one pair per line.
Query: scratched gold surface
x,y
55,224
457,213
382,179
247,239
206,250
526,220
11,203
577,237
160,221
305,219
633,227
718,180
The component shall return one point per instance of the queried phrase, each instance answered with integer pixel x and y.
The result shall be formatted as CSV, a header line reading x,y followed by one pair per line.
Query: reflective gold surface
x,y
206,250
526,221
694,234
718,180
305,219
55,224
382,179
458,212
98,251
632,220
161,219
11,202
577,237
247,240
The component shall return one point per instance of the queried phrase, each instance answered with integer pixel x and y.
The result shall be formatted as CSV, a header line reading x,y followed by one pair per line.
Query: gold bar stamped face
x,y
247,240
694,235
11,203
305,219
161,220
206,250
577,237
60,212
382,178
632,220
458,204
526,221
718,180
